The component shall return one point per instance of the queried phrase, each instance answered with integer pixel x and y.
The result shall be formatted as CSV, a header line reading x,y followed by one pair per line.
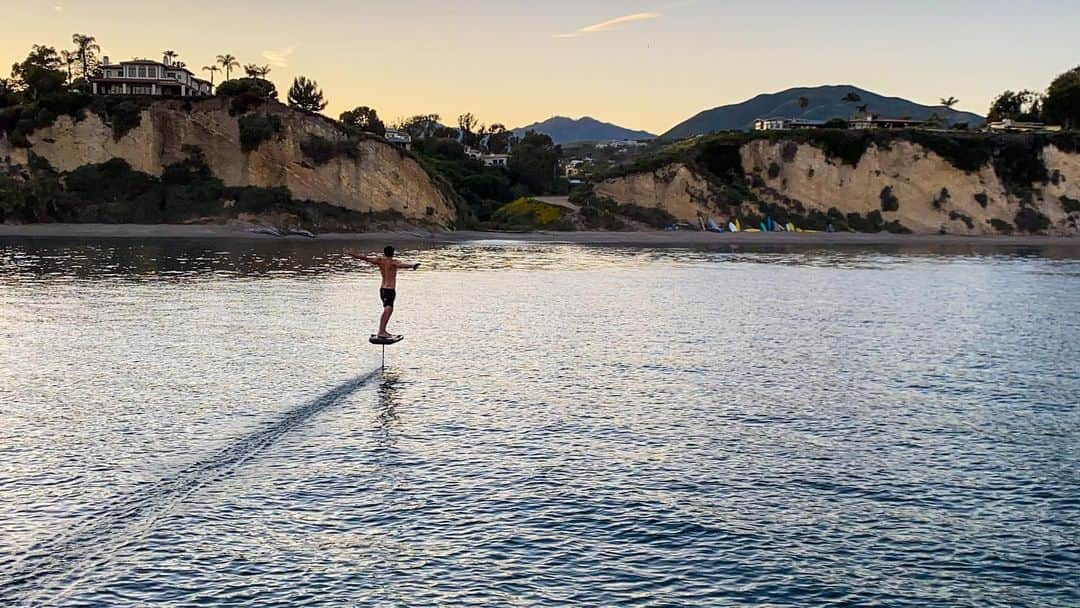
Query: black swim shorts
x,y
387,296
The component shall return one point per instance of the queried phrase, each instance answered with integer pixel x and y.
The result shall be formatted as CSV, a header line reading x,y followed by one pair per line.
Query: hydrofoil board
x,y
385,341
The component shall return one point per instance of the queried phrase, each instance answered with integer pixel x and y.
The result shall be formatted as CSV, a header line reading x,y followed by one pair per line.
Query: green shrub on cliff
x,y
256,88
889,202
121,113
257,128
530,213
956,215
322,150
1030,220
653,217
1070,205
942,198
246,94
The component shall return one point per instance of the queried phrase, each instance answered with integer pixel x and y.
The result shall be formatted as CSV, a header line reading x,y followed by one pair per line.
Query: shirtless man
x,y
388,267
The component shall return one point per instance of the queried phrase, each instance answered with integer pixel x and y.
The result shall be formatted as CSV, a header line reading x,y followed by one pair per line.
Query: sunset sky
x,y
643,65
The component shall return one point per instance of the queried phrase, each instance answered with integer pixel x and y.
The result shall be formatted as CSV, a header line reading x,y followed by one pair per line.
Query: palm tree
x,y
949,102
264,71
213,69
85,48
170,55
228,63
251,70
69,58
851,97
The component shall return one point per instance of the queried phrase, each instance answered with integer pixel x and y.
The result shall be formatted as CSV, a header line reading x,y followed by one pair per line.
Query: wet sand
x,y
644,239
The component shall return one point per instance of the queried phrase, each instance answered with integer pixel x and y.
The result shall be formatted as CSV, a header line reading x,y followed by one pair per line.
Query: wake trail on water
x,y
58,564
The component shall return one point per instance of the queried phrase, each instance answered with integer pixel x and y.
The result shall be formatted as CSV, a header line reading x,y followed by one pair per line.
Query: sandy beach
x,y
641,239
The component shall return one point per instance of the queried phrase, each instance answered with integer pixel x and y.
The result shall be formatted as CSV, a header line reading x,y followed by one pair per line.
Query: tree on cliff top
x,y
534,162
248,86
9,95
365,119
421,126
305,94
499,139
40,73
1023,106
228,63
86,47
1062,104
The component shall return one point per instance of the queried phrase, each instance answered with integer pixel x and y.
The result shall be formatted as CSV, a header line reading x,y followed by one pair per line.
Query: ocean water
x,y
203,423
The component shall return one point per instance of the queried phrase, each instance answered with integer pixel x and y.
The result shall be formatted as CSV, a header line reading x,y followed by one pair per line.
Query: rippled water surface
x,y
204,423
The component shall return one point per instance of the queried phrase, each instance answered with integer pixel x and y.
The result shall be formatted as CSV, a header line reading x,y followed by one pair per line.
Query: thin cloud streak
x,y
610,24
279,58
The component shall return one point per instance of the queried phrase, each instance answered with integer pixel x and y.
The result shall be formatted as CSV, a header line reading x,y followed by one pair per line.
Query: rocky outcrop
x,y
910,186
362,174
675,188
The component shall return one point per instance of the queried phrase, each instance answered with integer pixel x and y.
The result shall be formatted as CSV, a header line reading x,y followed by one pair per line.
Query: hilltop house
x,y
576,168
1015,126
873,122
784,124
624,144
489,160
149,77
399,139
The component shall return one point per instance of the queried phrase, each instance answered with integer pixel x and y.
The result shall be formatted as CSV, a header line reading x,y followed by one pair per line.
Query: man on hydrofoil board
x,y
388,267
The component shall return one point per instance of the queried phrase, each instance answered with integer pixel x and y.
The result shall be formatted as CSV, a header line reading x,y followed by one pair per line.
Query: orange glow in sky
x,y
641,65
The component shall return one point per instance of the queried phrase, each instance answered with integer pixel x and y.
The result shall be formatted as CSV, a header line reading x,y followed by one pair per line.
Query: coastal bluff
x,y
262,144
924,183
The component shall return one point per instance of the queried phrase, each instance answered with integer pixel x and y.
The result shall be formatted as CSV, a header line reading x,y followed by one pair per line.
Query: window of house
x,y
152,71
130,70
142,71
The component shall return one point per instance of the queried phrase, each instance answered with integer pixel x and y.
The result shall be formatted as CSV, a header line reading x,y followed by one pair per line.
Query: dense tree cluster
x,y
1060,105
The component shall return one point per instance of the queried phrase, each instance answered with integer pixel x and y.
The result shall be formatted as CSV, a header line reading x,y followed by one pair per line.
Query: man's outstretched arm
x,y
370,259
409,265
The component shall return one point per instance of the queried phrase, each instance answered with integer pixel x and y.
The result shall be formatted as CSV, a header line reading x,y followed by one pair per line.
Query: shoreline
x,y
646,238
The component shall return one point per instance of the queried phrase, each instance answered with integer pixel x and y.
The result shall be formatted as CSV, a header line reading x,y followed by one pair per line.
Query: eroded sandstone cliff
x,y
361,174
896,184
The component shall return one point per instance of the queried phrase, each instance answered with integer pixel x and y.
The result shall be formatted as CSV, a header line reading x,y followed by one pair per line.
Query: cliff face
x,y
372,176
675,188
908,184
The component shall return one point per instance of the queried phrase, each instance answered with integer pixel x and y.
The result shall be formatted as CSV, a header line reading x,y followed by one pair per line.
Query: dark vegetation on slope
x,y
257,128
121,113
113,192
480,191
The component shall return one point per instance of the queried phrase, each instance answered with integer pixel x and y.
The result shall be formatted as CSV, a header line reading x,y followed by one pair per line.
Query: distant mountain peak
x,y
825,102
565,130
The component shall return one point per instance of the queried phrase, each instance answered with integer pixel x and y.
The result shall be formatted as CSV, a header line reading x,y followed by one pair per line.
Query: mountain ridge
x,y
566,130
825,103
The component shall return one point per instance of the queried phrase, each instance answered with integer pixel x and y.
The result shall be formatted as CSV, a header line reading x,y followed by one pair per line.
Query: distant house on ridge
x,y
872,122
399,139
784,124
1013,126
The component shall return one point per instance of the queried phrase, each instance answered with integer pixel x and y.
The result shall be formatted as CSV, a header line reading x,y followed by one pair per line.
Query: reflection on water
x,y
204,423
